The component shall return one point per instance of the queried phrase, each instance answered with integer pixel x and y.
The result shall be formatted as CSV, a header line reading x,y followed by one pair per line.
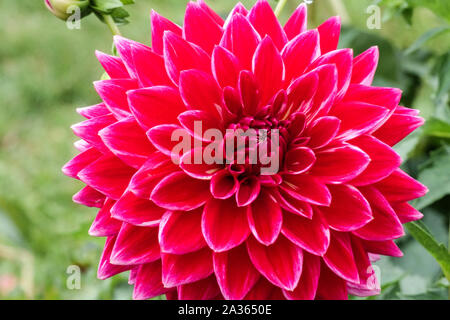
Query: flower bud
x,y
63,9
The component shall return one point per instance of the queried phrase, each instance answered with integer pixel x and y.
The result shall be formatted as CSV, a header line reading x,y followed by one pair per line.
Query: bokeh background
x,y
47,70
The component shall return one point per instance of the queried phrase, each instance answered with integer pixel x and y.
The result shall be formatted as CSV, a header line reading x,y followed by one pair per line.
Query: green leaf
x,y
106,6
439,7
437,128
125,2
438,250
435,176
427,36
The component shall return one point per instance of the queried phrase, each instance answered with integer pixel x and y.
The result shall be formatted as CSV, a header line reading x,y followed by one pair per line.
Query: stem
x,y
280,7
111,25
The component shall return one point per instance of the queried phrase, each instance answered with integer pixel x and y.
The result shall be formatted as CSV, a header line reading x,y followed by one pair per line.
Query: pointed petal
x,y
105,268
149,67
297,23
329,32
401,187
167,137
398,127
88,130
193,164
306,188
89,197
104,225
113,66
247,191
307,286
80,162
206,289
148,282
223,185
406,212
299,160
293,205
365,66
250,94
386,248
94,111
339,257
331,287
159,26
322,131
114,94
225,67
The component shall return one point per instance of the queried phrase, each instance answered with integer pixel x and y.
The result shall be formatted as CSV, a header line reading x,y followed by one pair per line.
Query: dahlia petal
x,y
299,53
342,59
88,130
205,289
322,131
268,69
224,224
248,191
339,257
399,186
104,225
108,175
365,66
89,197
208,99
223,185
133,275
200,27
331,287
180,55
368,283
94,111
123,47
113,66
80,162
340,164
306,188
301,92
149,67
150,174
329,32
235,272
383,160
293,205
239,8
297,23
114,93
241,39
182,269
163,137
348,211
250,94
189,119
137,211
280,263
358,118
105,268
159,26
225,67
135,245
385,97
262,290
299,160
155,106
325,94
218,19
200,170
180,232
311,235
406,212
398,127
297,125
265,218
128,142
81,145
386,248
262,17
307,286
385,224
148,282
178,191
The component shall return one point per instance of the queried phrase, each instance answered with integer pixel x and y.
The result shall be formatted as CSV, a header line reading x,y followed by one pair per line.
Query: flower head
x,y
192,228
63,9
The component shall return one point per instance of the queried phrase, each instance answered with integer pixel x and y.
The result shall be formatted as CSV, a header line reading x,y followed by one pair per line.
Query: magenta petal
x,y
247,191
331,287
386,248
189,120
241,39
406,212
291,204
299,160
348,211
148,282
299,53
159,26
398,127
218,19
280,263
250,94
235,273
105,268
156,105
224,224
200,27
307,286
401,187
206,289
80,162
300,94
312,235
123,47
383,160
178,191
306,188
135,245
187,268
223,185
166,137
325,94
128,142
268,68
137,211
88,130
263,19
340,164
365,66
113,66
265,218
107,175
339,257
322,131
114,94
225,67
297,23
149,67
94,111
329,32
104,225
198,169
89,197
180,232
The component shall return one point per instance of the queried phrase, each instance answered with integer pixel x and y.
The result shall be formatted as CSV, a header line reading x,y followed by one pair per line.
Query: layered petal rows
x,y
225,230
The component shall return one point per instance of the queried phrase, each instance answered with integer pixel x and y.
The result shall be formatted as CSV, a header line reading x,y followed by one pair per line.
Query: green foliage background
x,y
46,71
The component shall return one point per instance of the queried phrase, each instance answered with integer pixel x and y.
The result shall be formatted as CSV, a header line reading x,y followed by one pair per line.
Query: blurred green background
x,y
47,70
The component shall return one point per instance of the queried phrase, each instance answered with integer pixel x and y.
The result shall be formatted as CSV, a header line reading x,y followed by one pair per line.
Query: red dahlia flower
x,y
225,230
